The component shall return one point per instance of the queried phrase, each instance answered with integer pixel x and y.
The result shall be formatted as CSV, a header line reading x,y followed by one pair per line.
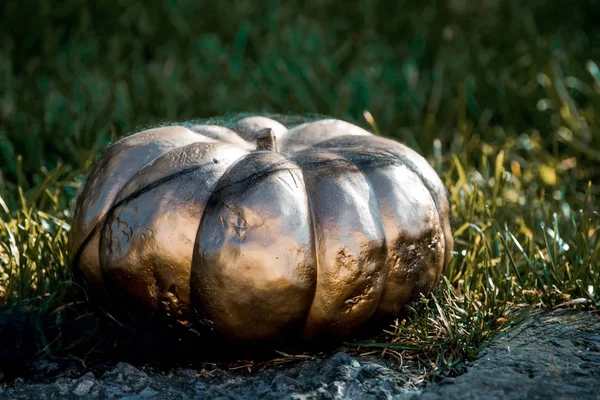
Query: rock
x,y
62,386
128,378
148,393
547,358
84,384
556,355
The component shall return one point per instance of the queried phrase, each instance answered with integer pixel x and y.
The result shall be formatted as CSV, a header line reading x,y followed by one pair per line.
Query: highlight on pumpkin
x,y
299,228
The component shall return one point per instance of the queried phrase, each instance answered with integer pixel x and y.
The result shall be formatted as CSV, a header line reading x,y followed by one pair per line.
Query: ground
x,y
552,355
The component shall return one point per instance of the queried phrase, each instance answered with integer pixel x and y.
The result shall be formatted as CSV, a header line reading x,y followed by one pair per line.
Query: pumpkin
x,y
262,230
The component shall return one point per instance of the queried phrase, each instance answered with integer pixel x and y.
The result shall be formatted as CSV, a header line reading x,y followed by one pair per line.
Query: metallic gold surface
x,y
302,136
267,232
118,164
350,245
254,270
148,241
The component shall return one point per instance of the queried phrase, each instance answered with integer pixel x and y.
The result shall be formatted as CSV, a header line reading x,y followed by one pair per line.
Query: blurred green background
x,y
75,74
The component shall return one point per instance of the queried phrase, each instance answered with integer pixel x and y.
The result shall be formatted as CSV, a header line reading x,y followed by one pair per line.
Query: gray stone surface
x,y
553,356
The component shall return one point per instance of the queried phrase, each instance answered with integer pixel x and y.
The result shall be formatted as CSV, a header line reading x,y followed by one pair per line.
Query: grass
x,y
503,98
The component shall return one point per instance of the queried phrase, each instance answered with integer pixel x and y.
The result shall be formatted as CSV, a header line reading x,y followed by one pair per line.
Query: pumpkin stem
x,y
265,140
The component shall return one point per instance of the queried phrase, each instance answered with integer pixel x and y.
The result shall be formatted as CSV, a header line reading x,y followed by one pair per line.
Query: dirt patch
x,y
553,355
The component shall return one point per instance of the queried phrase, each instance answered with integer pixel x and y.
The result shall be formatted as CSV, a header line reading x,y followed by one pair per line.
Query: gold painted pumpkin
x,y
263,230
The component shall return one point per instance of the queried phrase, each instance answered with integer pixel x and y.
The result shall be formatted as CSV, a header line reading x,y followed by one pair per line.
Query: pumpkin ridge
x,y
169,193
199,309
354,258
102,222
379,159
376,217
404,159
136,193
145,147
436,190
217,243
391,156
435,195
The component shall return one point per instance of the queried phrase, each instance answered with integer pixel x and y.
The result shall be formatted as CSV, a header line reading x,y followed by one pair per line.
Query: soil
x,y
552,355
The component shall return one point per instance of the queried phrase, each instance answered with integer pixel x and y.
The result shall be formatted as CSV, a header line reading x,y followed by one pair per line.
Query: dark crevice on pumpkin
x,y
314,250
